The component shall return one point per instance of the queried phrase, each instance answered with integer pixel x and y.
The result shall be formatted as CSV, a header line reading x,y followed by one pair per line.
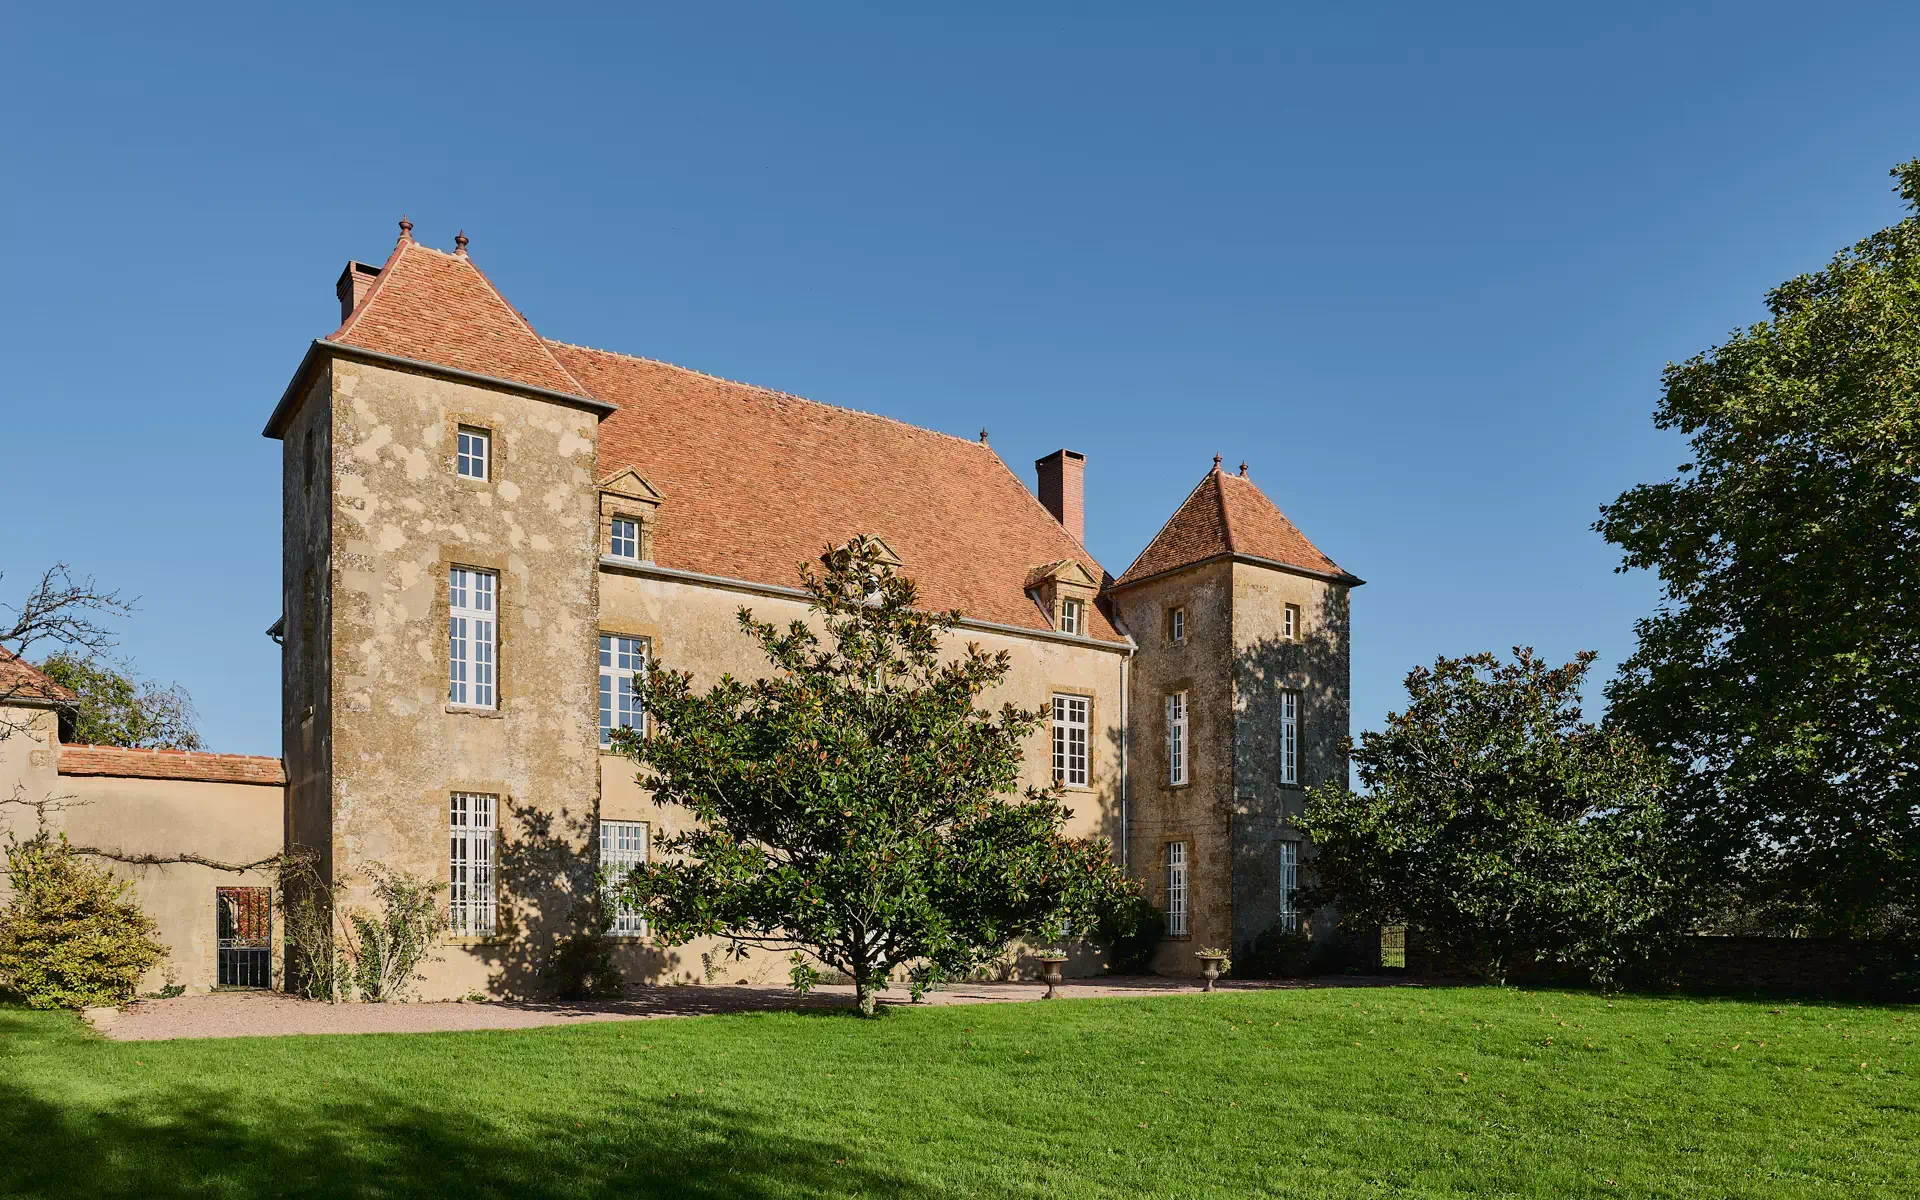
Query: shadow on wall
x,y
546,865
1264,809
192,1141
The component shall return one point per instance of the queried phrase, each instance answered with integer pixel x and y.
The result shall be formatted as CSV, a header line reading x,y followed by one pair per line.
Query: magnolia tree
x,y
1499,824
854,807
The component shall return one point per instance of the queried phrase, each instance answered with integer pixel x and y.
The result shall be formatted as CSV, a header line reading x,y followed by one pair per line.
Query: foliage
x,y
386,945
1226,960
308,928
1500,823
582,966
1782,668
70,936
1450,1092
853,803
61,609
115,709
1129,933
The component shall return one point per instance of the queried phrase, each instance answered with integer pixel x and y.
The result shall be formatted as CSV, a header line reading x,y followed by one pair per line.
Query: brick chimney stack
x,y
1063,489
356,281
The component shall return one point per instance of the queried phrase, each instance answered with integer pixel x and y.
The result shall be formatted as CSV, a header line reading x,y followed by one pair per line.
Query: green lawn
x,y
1350,1092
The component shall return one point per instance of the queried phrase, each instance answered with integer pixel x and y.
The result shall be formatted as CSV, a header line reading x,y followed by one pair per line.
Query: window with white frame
x,y
470,903
471,622
622,660
625,541
1177,738
623,846
1177,625
1289,737
1070,740
1071,619
1289,884
474,450
1176,856
1290,623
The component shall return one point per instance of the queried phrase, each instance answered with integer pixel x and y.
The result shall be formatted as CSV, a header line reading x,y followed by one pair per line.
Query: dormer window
x,y
1071,620
625,539
471,460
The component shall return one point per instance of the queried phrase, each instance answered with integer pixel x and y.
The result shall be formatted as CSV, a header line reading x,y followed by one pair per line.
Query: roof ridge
x,y
524,323
775,392
1220,498
379,281
1177,510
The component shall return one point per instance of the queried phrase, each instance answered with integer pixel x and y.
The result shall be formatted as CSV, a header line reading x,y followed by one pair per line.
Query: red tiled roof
x,y
120,762
1227,514
438,308
21,680
757,482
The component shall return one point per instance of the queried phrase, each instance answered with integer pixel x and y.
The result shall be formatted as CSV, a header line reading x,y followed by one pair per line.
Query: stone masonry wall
x,y
401,519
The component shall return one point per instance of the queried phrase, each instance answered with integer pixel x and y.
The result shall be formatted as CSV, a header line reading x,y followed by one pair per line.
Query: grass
x,y
1345,1092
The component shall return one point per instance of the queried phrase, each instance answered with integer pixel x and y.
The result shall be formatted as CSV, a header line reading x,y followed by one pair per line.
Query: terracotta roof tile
x,y
120,762
1227,514
757,482
21,680
438,308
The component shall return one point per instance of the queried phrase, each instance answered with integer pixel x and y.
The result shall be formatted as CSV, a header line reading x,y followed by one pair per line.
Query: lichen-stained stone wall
x,y
1267,663
693,627
1196,812
401,518
306,639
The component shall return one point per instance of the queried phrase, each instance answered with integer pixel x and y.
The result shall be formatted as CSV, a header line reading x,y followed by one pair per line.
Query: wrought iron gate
x,y
246,936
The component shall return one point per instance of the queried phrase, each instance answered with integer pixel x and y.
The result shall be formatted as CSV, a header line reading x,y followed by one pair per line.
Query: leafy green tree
x,y
854,805
1500,824
115,709
70,936
1782,668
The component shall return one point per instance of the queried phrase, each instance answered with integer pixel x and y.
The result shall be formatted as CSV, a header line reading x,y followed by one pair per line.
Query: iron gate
x,y
246,936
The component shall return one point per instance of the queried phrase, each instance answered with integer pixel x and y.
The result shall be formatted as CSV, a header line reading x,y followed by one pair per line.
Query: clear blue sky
x,y
1420,268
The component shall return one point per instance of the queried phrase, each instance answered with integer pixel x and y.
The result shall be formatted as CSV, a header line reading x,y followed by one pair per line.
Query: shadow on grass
x,y
193,1140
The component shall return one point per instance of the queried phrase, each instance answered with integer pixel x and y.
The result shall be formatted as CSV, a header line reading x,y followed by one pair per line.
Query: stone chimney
x,y
1063,487
355,282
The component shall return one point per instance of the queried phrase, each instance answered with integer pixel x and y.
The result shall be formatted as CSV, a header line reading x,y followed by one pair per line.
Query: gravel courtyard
x,y
270,1014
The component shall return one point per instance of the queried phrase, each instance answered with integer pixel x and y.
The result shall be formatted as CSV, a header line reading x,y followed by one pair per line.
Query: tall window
x,y
470,892
1289,884
1289,737
1070,616
1177,738
473,453
622,660
626,538
1177,624
1290,623
1176,889
1070,740
623,846
470,637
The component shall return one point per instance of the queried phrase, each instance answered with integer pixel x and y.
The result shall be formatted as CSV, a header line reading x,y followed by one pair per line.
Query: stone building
x,y
487,533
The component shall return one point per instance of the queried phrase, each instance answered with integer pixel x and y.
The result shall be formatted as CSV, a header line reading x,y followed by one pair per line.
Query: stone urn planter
x,y
1050,965
1213,964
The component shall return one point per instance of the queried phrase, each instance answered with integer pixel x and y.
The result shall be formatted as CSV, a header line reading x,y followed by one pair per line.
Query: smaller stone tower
x,y
1239,702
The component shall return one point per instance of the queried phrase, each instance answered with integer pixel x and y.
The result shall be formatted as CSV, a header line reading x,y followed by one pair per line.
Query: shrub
x,y
70,937
388,944
582,968
1129,935
317,969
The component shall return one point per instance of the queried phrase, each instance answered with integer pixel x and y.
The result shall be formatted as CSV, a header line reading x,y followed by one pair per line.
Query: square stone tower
x,y
1240,699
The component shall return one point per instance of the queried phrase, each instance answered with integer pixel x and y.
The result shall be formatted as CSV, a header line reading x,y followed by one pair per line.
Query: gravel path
x,y
271,1014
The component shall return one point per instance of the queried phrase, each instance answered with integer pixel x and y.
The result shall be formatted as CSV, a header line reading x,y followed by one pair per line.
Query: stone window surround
x,y
646,631
496,447
460,554
1093,711
440,798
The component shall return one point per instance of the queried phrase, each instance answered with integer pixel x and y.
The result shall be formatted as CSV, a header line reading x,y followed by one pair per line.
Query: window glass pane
x,y
623,846
470,637
622,661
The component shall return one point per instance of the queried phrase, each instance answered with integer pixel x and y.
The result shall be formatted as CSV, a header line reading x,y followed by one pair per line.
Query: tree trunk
x,y
864,994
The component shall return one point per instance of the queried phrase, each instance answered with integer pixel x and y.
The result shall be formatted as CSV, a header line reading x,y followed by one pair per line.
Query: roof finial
x,y
406,228
983,435
460,242
1216,462
1243,468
